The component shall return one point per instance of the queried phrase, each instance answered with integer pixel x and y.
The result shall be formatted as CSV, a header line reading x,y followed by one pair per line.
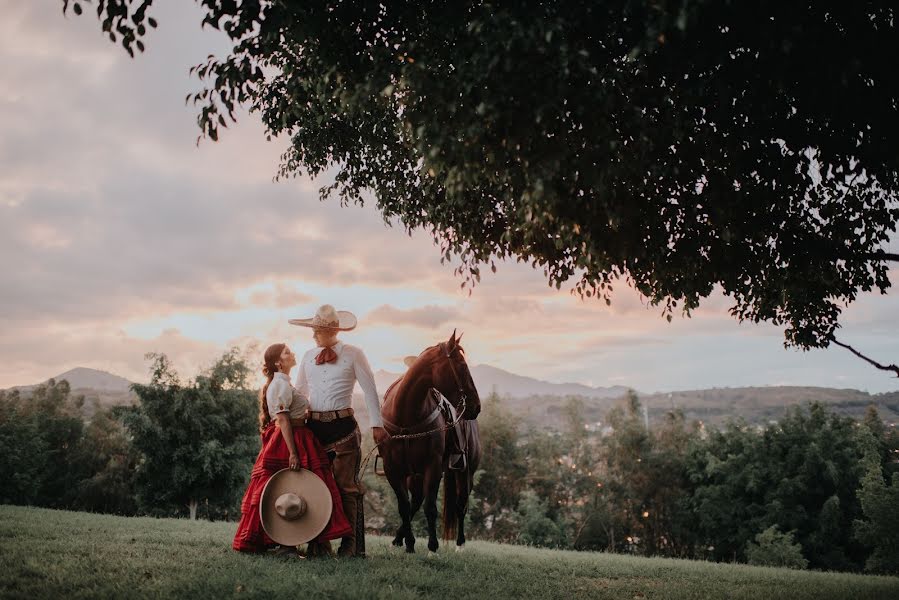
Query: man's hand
x,y
380,434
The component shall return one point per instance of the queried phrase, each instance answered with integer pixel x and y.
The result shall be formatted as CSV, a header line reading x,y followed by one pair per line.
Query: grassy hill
x,y
47,553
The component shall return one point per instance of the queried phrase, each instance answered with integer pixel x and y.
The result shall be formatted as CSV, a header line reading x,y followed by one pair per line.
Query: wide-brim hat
x,y
295,507
326,317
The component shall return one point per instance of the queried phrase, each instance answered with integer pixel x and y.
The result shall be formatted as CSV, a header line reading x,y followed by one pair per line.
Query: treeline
x,y
816,490
185,450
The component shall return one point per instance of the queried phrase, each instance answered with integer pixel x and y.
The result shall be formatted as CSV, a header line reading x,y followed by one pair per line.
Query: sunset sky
x,y
119,235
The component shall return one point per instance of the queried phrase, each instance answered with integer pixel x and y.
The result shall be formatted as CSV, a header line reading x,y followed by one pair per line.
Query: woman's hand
x,y
294,461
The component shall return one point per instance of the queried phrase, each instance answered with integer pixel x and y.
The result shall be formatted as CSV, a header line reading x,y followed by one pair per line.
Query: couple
x,y
311,426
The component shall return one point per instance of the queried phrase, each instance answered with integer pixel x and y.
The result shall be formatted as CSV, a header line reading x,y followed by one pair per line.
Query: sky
x,y
120,235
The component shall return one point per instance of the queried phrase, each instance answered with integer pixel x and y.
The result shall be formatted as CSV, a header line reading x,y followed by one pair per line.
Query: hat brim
x,y
346,322
313,490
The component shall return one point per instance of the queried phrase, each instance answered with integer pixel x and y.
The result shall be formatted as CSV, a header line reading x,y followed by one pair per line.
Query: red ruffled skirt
x,y
273,457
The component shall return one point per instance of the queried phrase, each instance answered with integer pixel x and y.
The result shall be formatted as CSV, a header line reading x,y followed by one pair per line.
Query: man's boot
x,y
351,509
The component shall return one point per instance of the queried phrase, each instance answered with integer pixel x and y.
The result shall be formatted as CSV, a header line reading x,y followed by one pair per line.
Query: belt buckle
x,y
327,417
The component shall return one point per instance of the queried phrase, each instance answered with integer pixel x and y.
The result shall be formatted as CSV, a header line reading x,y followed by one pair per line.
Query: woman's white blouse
x,y
281,397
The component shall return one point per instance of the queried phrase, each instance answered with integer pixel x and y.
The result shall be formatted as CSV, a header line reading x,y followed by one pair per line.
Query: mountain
x,y
99,388
491,379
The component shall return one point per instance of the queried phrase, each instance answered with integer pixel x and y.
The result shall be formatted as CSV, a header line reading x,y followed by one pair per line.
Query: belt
x,y
326,416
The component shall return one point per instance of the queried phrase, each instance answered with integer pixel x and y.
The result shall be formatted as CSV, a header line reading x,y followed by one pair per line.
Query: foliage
x,y
775,549
502,475
536,526
681,145
50,457
196,441
879,527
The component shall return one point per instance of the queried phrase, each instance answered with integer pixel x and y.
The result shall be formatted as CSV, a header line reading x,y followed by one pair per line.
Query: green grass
x,y
48,553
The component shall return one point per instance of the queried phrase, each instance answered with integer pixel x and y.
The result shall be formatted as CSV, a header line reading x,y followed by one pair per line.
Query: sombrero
x,y
295,507
328,318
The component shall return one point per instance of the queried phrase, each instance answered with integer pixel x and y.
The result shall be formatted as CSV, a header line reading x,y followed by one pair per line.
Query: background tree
x,y
775,549
196,441
681,145
878,527
800,474
502,475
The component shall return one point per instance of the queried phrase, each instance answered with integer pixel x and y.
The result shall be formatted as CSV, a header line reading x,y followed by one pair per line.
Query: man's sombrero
x,y
295,507
328,318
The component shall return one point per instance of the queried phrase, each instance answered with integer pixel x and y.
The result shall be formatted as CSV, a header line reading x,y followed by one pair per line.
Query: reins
x,y
441,400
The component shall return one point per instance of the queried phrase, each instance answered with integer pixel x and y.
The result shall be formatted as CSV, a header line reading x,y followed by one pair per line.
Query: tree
x,y
502,474
879,526
195,441
800,474
775,549
681,145
109,465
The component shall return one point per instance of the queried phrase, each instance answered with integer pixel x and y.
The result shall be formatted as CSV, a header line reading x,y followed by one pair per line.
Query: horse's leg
x,y
432,486
398,483
414,482
463,489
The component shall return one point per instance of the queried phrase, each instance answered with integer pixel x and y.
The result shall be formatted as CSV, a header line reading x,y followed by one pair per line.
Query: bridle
x,y
449,357
443,405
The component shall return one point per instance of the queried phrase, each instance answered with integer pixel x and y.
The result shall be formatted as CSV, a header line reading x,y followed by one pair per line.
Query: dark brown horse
x,y
415,465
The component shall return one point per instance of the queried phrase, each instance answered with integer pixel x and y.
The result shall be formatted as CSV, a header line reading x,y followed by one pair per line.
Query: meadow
x,y
50,553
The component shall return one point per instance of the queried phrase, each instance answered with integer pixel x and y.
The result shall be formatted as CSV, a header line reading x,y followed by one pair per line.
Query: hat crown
x,y
326,316
290,506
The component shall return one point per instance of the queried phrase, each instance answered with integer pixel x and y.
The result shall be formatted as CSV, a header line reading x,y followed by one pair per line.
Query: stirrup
x,y
458,462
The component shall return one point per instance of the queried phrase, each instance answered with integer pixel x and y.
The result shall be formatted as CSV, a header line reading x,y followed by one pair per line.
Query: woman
x,y
286,443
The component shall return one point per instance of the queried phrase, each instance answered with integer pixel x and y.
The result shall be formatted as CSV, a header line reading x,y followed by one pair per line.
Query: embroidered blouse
x,y
281,397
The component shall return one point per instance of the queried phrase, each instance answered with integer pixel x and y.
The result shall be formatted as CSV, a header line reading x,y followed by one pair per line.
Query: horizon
x,y
121,236
357,391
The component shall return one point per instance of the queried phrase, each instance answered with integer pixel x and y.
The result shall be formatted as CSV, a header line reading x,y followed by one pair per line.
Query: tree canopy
x,y
681,146
197,440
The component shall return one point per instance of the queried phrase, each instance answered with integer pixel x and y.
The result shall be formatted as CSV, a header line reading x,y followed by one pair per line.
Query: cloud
x,y
118,236
283,296
427,317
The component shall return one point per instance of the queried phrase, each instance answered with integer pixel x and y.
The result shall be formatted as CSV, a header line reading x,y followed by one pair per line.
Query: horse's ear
x,y
459,339
452,341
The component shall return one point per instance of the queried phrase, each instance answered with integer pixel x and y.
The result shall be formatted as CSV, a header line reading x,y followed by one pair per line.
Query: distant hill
x,y
93,379
491,379
541,403
99,388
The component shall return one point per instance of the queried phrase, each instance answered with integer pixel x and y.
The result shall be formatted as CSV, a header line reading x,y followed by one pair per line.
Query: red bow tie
x,y
326,356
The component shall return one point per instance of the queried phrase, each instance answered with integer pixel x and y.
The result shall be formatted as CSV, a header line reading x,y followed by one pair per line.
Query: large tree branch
x,y
893,367
884,256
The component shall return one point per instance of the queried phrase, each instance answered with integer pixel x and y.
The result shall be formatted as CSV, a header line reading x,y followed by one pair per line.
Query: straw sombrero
x,y
295,507
328,318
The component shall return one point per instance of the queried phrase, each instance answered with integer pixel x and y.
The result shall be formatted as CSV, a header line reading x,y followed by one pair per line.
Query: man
x,y
327,375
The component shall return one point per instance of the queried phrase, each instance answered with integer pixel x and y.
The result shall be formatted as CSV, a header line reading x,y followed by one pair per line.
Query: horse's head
x,y
452,378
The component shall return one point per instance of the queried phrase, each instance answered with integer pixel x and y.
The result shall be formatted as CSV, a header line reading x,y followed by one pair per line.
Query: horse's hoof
x,y
460,548
410,550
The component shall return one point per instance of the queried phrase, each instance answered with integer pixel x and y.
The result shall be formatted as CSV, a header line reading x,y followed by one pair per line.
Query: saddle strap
x,y
421,425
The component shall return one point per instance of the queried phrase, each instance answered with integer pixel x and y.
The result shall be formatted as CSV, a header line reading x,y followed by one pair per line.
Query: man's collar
x,y
336,347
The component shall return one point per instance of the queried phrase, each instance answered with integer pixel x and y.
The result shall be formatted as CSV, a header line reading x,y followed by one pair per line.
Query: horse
x,y
415,465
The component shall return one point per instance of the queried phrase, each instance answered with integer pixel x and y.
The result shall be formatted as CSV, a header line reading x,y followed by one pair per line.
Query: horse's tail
x,y
450,506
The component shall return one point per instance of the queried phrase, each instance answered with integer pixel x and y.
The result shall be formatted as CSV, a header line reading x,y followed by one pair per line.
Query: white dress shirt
x,y
329,386
283,397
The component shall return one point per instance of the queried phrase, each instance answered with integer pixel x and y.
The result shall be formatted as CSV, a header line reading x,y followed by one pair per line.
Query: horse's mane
x,y
416,366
